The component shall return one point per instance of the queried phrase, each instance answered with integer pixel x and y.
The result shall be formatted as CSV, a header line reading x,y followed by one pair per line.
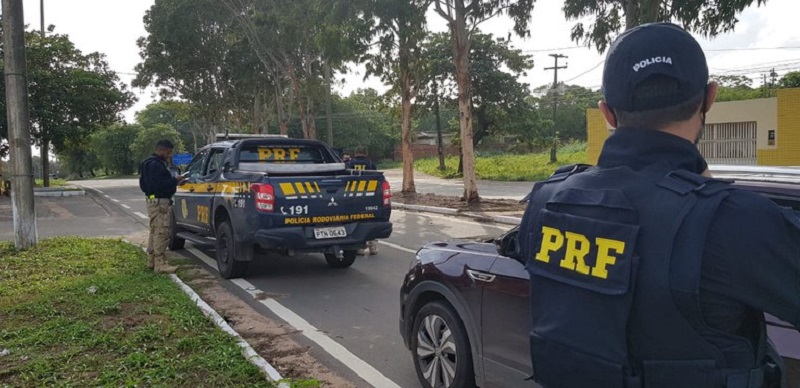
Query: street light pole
x,y
19,135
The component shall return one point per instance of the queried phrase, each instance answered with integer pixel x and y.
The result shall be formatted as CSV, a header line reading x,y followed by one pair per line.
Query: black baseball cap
x,y
656,49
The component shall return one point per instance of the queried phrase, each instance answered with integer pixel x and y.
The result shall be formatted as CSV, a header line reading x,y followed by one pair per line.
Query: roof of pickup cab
x,y
266,141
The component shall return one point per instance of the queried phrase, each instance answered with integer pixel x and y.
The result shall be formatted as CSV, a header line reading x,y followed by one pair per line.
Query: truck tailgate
x,y
329,200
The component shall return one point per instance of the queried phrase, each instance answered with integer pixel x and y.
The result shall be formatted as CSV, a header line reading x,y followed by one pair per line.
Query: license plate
x,y
335,232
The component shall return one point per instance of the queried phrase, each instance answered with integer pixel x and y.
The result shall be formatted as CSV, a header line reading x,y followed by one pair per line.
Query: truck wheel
x,y
175,242
344,262
226,246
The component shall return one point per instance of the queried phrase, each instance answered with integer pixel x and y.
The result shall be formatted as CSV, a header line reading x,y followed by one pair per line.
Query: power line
x,y
756,48
585,72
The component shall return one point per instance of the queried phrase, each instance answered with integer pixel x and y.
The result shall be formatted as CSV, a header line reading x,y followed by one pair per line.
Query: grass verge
x,y
86,312
53,183
508,167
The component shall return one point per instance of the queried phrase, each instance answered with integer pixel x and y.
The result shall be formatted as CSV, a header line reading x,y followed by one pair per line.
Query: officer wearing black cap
x,y
644,272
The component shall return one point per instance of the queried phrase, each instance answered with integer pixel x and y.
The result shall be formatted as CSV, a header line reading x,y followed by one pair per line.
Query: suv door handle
x,y
480,276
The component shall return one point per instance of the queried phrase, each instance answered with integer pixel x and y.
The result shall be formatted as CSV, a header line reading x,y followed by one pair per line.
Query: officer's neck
x,y
690,130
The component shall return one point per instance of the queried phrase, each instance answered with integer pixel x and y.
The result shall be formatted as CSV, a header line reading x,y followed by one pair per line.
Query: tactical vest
x,y
614,257
144,181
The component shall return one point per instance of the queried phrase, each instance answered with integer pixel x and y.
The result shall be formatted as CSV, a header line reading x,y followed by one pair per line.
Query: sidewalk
x,y
455,187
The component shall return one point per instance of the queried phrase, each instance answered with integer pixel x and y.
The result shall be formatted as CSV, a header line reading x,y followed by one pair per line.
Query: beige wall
x,y
763,111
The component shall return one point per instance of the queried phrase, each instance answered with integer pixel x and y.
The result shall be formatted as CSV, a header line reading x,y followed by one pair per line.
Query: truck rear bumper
x,y
301,238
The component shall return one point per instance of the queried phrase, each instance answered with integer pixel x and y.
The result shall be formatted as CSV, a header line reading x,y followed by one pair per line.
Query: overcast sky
x,y
112,27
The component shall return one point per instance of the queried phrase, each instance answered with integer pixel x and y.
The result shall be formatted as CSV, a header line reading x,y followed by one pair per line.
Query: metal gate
x,y
729,143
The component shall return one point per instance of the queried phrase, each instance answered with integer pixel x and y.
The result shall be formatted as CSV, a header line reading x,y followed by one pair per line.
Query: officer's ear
x,y
608,113
711,95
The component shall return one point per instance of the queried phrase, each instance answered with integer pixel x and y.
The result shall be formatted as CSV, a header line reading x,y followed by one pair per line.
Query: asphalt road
x,y
358,307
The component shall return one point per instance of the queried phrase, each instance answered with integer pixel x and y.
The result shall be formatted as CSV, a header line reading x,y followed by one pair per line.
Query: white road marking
x,y
141,215
335,349
98,190
202,256
398,247
126,206
106,195
115,200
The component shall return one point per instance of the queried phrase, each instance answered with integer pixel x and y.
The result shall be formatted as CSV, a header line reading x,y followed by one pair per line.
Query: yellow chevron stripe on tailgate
x,y
373,185
288,189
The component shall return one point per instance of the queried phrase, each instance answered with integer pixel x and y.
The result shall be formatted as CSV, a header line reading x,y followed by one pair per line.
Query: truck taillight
x,y
387,194
264,195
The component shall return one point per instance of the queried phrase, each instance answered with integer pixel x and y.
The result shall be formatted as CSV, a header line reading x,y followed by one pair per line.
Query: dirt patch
x,y
484,205
272,340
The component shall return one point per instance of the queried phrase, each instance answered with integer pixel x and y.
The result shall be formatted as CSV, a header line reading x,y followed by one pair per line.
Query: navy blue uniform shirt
x,y
751,262
155,178
361,163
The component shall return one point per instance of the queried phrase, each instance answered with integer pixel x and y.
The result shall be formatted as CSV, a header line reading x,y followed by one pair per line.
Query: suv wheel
x,y
226,246
442,357
344,262
175,242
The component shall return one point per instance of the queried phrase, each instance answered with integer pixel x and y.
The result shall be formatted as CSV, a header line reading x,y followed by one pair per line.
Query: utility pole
x,y
555,68
19,135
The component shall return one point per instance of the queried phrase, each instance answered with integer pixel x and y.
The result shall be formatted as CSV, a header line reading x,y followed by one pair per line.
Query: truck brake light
x,y
264,195
387,194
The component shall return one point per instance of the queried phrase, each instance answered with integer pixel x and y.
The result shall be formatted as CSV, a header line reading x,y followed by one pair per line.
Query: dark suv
x,y
464,308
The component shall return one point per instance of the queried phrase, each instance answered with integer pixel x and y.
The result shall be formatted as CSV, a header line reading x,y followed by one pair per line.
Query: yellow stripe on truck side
x,y
288,189
373,185
300,188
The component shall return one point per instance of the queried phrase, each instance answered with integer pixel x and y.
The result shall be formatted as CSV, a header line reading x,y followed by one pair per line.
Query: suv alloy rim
x,y
436,351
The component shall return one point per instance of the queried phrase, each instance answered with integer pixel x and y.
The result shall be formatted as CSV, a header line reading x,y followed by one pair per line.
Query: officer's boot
x,y
163,267
373,247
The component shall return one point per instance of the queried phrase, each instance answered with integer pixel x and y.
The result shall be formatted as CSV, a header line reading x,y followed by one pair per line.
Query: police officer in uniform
x,y
361,162
159,185
644,272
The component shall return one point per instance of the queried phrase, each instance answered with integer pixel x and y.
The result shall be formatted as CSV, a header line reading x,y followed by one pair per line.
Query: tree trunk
x,y
328,110
312,122
408,156
461,53
45,163
439,145
257,112
648,11
301,106
283,124
631,14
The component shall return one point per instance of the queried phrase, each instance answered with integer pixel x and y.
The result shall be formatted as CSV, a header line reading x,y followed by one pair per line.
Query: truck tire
x,y
175,242
344,262
227,264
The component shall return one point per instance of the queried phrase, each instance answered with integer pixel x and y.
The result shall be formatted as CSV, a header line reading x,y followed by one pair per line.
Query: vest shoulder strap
x,y
564,172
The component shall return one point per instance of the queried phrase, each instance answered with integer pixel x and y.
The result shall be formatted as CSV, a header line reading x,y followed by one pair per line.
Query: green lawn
x,y
136,329
55,182
508,167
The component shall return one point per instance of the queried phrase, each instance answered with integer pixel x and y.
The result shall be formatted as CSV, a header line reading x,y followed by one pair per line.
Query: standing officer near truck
x,y
362,162
643,272
159,185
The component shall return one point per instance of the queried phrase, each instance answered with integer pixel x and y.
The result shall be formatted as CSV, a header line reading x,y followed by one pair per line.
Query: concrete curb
x,y
247,350
506,220
59,193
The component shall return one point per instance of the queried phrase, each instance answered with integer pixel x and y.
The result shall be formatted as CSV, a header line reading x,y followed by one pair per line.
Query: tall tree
x,y
400,29
186,54
707,17
790,80
498,98
71,93
112,146
736,88
463,17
